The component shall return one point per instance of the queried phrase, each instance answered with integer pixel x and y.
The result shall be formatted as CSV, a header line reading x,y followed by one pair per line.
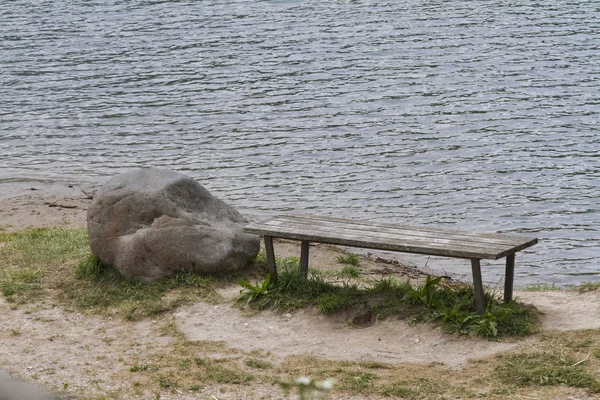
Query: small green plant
x,y
200,361
391,286
167,384
349,258
260,261
258,364
90,269
350,271
424,295
139,368
251,292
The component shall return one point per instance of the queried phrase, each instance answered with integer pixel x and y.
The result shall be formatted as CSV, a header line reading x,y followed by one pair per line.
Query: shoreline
x,y
44,207
40,204
66,206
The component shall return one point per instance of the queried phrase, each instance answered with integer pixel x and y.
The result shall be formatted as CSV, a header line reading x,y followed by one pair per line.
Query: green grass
x,y
545,369
102,289
231,375
258,364
350,271
452,306
27,257
37,261
349,258
588,287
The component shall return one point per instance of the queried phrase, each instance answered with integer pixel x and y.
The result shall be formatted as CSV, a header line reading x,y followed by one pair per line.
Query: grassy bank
x,y
43,262
54,266
449,303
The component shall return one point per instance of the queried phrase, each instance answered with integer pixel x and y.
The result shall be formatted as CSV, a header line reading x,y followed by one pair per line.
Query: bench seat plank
x,y
421,240
379,242
434,237
504,239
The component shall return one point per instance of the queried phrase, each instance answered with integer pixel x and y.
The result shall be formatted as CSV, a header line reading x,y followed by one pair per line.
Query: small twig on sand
x,y
532,346
62,205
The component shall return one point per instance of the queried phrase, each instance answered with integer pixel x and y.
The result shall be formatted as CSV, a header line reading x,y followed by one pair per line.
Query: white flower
x,y
303,380
327,384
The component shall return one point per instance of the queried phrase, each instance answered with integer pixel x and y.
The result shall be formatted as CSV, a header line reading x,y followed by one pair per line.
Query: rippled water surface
x,y
473,114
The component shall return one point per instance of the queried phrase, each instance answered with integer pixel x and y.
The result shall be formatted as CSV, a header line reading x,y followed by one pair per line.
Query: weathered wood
x,y
304,258
441,242
509,277
350,233
477,285
312,220
271,265
432,237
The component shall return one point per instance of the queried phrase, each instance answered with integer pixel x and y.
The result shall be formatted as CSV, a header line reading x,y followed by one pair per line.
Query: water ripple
x,y
479,115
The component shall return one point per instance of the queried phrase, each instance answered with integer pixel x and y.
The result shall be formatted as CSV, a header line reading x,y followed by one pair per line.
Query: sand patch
x,y
565,310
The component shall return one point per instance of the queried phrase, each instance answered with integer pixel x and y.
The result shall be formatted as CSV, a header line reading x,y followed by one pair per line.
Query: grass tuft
x,y
349,258
102,289
41,259
545,369
222,374
90,269
589,287
350,271
27,256
453,306
258,364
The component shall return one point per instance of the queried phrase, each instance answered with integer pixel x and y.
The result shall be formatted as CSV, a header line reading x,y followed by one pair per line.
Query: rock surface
x,y
151,223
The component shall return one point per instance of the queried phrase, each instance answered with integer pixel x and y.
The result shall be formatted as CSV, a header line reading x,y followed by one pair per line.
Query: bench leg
x,y
271,266
477,285
304,259
509,277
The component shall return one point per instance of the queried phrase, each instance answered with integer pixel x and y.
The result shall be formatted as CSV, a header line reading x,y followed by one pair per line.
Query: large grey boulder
x,y
151,223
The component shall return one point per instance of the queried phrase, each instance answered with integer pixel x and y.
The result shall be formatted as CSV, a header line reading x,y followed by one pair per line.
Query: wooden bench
x,y
407,239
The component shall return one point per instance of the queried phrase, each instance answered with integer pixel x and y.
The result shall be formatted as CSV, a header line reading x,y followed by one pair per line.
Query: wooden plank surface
x,y
409,239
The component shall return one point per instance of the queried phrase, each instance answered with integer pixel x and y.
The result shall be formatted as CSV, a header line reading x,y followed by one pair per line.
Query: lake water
x,y
471,114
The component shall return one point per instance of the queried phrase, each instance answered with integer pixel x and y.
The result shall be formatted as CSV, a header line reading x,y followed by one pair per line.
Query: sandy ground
x,y
53,347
